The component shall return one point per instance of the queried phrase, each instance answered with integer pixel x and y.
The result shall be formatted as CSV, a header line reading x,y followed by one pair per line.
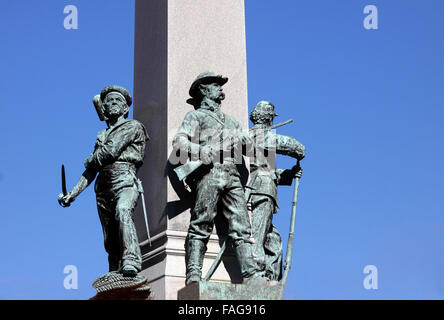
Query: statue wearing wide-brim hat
x,y
214,177
206,77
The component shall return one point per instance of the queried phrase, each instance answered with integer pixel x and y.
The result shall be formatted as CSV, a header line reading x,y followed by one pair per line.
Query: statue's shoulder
x,y
197,113
193,115
134,123
137,125
101,136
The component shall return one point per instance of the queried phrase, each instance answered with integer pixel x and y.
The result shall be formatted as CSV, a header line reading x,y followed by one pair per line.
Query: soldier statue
x,y
216,140
262,187
118,152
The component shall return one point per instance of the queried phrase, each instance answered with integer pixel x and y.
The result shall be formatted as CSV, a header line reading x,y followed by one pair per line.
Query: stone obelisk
x,y
175,40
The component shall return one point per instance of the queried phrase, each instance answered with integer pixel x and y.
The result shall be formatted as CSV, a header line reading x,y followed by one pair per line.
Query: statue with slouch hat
x,y
118,153
214,143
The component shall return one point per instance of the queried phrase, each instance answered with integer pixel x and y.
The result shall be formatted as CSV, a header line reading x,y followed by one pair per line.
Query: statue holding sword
x,y
118,152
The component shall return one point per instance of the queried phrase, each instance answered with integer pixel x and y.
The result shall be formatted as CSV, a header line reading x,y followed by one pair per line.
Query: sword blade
x,y
146,219
65,192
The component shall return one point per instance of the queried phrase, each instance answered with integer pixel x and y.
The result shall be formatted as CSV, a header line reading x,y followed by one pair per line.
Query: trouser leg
x,y
239,228
273,254
236,212
110,230
125,204
262,216
201,225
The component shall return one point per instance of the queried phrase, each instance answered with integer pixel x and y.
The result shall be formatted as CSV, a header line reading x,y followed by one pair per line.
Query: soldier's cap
x,y
265,106
206,77
118,89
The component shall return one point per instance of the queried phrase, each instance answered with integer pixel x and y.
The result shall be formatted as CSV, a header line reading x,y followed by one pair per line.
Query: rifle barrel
x,y
282,124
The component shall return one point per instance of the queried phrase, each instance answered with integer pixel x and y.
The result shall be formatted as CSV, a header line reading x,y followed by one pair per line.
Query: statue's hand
x,y
296,171
65,200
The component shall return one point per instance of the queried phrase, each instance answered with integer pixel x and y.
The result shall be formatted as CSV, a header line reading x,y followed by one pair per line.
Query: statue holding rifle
x,y
262,188
214,142
118,152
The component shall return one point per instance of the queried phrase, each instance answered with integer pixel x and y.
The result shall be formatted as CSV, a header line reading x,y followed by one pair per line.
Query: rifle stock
x,y
186,169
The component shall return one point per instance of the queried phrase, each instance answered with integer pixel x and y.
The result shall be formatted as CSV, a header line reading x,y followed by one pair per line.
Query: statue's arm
x,y
111,149
85,180
289,146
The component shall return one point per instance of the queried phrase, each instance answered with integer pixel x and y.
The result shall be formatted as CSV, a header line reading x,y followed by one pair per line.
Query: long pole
x,y
289,254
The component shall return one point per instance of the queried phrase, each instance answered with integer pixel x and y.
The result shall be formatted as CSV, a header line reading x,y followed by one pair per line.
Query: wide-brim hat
x,y
206,77
118,89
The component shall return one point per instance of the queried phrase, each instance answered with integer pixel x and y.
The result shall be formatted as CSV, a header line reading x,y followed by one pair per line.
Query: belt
x,y
119,165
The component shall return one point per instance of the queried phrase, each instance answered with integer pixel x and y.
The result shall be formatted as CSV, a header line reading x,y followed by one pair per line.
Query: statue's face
x,y
114,105
213,91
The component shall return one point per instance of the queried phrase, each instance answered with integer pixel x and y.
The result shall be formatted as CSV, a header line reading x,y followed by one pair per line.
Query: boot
x,y
249,268
129,271
194,255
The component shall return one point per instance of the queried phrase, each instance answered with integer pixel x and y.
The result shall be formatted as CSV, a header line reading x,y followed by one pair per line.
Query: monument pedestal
x,y
115,286
176,40
164,263
228,291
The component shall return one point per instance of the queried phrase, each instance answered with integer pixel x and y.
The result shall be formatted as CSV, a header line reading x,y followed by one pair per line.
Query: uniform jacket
x,y
124,142
264,177
202,126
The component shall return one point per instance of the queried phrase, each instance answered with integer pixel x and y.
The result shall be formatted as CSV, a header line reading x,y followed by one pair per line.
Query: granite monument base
x,y
204,290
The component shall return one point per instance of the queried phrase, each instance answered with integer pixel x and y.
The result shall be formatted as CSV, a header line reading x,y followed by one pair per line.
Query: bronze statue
x,y
214,141
262,187
118,152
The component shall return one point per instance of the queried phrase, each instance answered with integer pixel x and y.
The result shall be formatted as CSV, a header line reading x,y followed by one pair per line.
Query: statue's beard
x,y
220,97
114,112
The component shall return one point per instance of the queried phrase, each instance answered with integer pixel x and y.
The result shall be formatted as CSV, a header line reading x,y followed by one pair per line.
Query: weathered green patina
x,y
262,187
118,152
215,140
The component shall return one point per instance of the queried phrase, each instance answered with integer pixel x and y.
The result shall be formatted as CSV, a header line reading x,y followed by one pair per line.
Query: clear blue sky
x,y
368,104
